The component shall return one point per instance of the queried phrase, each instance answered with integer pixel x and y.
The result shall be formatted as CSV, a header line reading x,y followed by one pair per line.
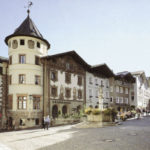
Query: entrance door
x,y
55,111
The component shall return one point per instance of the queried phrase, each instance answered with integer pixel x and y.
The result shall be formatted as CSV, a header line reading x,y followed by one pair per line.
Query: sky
x,y
115,32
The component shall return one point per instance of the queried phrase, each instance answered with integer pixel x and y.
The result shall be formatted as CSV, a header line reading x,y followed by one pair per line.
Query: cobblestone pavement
x,y
131,135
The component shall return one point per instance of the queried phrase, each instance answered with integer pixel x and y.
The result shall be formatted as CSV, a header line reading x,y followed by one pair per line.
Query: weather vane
x,y
28,6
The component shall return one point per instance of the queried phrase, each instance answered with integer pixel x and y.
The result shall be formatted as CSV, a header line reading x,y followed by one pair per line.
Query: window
x,y
22,59
132,98
68,78
54,75
117,89
111,99
37,60
107,84
36,102
54,91
67,93
121,99
96,93
1,70
67,66
121,89
102,83
31,44
90,80
21,42
96,82
117,100
37,80
126,90
126,100
10,79
10,101
10,60
79,80
79,94
90,93
38,45
37,121
21,79
22,102
111,89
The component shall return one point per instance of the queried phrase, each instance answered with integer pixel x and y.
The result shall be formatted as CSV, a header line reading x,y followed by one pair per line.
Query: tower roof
x,y
27,28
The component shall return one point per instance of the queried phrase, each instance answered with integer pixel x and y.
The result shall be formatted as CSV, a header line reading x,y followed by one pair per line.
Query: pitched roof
x,y
73,54
125,75
27,28
3,59
102,69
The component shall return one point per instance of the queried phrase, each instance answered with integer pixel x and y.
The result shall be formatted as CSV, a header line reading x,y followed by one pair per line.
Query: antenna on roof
x,y
28,6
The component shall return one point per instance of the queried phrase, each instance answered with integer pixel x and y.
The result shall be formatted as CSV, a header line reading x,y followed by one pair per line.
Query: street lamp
x,y
101,97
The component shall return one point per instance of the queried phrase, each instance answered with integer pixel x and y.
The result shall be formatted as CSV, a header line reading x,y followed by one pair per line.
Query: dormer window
x,y
21,42
38,45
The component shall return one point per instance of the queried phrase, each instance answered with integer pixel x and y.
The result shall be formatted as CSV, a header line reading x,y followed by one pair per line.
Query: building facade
x,y
98,77
64,84
120,91
25,75
3,90
141,90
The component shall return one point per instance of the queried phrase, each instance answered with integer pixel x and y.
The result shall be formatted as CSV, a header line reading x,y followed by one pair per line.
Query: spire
x,y
27,28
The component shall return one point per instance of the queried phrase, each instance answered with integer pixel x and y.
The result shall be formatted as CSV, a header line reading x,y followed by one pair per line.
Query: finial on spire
x,y
28,6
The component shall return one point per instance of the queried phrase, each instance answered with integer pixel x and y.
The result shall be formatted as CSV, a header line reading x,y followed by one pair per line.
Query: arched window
x,y
55,111
64,110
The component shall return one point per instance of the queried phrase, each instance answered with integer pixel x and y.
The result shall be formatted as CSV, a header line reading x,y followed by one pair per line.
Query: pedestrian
x,y
47,122
44,122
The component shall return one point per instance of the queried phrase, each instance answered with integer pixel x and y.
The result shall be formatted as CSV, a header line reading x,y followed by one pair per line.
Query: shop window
x,y
22,102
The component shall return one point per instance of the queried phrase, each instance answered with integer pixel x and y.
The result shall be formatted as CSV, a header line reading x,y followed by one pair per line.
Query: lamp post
x,y
101,98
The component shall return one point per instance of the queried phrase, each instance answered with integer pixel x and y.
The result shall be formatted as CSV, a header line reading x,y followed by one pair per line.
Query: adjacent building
x,y
121,87
141,90
3,90
98,77
64,84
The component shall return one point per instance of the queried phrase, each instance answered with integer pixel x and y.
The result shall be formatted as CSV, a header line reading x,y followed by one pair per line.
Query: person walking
x,y
47,122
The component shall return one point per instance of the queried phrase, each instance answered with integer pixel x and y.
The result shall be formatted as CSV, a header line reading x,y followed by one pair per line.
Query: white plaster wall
x,y
94,100
74,83
29,69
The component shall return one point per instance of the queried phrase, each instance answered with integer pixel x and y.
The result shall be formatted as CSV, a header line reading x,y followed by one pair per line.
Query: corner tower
x,y
25,90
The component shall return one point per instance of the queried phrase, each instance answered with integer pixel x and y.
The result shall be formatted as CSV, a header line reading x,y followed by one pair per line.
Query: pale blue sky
x,y
116,32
